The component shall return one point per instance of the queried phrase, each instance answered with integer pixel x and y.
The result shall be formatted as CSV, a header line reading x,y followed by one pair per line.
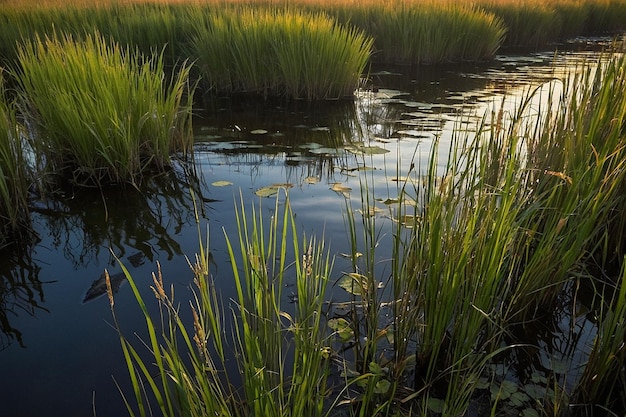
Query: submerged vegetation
x,y
517,225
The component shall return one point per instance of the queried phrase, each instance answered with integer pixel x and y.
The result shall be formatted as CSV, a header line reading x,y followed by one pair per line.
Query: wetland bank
x,y
449,241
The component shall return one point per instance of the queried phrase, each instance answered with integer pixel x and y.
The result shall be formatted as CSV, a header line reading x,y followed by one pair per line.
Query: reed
x,y
577,168
426,32
280,53
103,113
494,240
603,382
282,352
14,173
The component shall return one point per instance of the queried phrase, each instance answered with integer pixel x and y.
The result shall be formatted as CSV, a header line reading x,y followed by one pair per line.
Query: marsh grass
x,y
414,33
14,173
103,114
280,53
408,32
520,213
282,352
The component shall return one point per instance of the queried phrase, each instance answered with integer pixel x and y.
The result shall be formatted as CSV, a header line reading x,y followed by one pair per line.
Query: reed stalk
x,y
103,113
283,355
603,382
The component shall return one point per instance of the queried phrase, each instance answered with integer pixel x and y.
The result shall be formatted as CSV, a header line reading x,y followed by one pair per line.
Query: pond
x,y
59,354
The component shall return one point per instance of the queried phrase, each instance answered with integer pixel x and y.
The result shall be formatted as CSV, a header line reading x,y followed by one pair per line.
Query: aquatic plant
x,y
280,53
102,113
281,349
14,173
426,32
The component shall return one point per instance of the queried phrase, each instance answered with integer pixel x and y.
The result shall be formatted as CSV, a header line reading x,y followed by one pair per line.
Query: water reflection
x,y
86,225
130,222
21,292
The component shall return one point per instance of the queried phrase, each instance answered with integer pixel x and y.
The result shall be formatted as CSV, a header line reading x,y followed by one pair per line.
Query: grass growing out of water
x,y
281,349
518,214
427,32
14,179
103,113
280,53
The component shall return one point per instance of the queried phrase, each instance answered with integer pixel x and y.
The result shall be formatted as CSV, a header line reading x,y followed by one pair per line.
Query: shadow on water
x,y
87,224
21,292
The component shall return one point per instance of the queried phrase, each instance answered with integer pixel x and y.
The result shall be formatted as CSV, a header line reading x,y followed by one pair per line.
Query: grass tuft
x,y
103,113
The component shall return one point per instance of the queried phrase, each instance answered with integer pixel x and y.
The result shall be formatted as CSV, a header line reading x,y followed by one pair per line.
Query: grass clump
x,y
103,114
14,176
416,33
280,52
281,349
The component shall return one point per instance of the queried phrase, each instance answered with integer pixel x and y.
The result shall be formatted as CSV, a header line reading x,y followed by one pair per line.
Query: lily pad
x,y
382,386
340,188
353,283
342,327
221,183
258,132
436,405
367,150
311,180
271,190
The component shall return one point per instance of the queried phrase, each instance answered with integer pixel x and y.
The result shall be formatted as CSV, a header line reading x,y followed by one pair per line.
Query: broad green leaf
x,y
342,327
382,386
353,283
436,405
375,368
267,191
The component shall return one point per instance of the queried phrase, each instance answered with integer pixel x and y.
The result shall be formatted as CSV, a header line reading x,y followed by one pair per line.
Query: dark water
x,y
59,355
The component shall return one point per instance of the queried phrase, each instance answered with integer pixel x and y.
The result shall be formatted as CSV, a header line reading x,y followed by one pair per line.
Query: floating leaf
x,y
342,327
530,412
382,386
390,201
436,405
349,256
340,188
504,391
483,383
324,151
271,190
518,399
258,132
372,211
311,180
375,368
353,283
366,150
221,183
359,168
536,392
408,220
267,191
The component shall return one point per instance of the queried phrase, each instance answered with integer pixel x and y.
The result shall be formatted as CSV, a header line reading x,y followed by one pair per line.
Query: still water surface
x,y
59,356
